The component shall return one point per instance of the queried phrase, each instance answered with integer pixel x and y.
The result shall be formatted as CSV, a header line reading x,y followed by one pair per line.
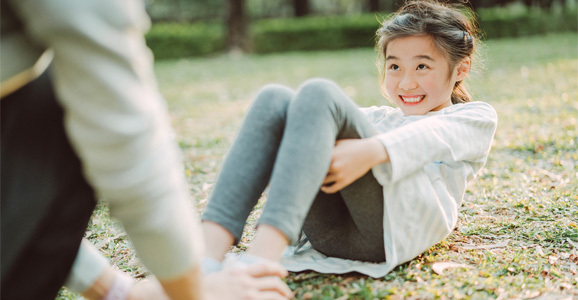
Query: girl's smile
x,y
411,99
418,77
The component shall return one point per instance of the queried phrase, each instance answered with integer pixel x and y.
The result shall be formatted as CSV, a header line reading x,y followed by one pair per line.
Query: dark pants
x,y
46,202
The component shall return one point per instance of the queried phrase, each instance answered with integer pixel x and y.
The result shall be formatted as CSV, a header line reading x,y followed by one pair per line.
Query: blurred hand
x,y
260,281
148,289
351,159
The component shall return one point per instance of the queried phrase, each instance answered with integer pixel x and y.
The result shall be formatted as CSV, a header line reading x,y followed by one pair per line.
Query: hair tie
x,y
466,36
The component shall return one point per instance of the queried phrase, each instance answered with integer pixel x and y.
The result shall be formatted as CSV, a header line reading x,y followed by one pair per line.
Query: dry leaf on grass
x,y
439,267
572,243
487,247
551,296
539,250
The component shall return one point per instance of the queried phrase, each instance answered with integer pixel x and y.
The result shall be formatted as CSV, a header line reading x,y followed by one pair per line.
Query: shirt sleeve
x,y
88,266
118,122
376,114
464,134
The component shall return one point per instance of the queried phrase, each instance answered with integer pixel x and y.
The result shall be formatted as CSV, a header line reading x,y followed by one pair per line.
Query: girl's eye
x,y
394,67
422,67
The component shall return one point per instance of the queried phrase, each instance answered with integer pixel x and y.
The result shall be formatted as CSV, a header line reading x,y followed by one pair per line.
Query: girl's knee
x,y
273,97
320,93
318,86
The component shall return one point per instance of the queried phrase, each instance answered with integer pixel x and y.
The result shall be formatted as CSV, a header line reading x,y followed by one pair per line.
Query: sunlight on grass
x,y
525,200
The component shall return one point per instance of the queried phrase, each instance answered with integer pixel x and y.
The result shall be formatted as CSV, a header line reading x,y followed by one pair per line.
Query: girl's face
x,y
416,75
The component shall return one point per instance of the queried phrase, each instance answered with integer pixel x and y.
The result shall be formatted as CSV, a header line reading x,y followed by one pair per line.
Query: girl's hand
x,y
253,282
351,159
149,288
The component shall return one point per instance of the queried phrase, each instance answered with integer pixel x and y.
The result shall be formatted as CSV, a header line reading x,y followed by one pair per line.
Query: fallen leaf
x,y
439,267
539,250
501,294
572,243
545,272
487,247
532,295
552,296
554,177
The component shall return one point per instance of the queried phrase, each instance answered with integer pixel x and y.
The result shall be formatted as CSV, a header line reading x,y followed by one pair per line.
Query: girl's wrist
x,y
120,287
101,285
110,285
378,151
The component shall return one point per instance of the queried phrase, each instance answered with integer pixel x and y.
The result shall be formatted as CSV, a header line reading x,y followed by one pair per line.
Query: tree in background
x,y
236,21
301,7
373,5
215,10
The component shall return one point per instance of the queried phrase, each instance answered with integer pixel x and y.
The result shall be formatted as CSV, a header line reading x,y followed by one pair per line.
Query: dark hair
x,y
451,27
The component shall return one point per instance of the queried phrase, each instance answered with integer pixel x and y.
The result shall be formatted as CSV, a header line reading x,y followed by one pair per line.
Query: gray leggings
x,y
286,141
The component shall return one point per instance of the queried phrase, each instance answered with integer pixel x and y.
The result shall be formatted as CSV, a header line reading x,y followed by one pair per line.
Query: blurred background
x,y
185,28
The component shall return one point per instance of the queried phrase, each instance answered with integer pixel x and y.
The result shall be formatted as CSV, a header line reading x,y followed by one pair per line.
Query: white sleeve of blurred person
x,y
118,123
94,278
88,266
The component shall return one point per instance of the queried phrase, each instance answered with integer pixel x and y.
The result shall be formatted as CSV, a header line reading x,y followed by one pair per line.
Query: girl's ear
x,y
463,69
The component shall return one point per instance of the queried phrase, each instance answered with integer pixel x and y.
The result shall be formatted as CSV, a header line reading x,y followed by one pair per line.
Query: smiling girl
x,y
378,184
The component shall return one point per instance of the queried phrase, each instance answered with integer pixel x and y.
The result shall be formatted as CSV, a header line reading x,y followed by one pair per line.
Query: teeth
x,y
412,99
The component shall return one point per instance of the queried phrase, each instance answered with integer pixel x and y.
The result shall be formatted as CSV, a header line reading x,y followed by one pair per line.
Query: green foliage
x,y
500,22
176,40
328,33
314,33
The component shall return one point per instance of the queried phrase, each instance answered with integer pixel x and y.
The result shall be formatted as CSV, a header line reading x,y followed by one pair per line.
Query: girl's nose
x,y
407,83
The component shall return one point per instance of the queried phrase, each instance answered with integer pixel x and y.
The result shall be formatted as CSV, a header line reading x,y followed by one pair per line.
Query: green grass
x,y
525,201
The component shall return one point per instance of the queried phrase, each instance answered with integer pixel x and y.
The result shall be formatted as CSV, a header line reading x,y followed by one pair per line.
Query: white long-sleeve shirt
x,y
115,117
432,157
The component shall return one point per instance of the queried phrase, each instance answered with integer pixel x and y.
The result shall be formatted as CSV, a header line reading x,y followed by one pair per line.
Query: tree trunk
x,y
236,26
301,7
475,5
373,5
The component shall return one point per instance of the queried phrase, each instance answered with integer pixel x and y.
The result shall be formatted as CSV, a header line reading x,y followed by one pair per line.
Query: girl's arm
x,y
119,125
463,135
351,159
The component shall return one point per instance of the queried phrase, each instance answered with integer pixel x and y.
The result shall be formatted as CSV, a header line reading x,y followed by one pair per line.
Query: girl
x,y
377,185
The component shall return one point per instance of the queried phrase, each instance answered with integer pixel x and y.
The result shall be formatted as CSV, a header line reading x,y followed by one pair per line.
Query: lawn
x,y
517,236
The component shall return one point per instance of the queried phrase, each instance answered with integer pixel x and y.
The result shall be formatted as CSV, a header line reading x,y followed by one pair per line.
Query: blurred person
x,y
94,126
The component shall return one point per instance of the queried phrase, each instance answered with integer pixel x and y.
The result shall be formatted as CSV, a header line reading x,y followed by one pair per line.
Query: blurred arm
x,y
119,125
